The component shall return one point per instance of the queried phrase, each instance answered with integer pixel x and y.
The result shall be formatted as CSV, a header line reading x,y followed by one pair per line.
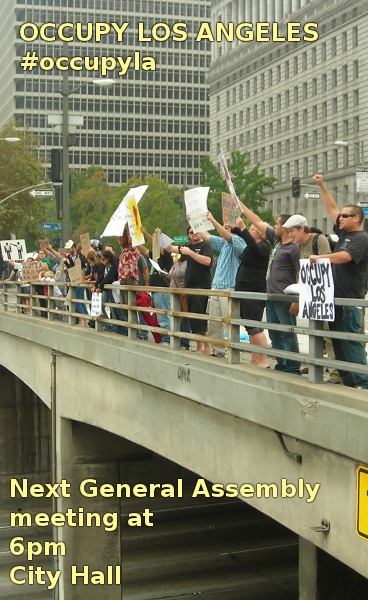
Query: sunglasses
x,y
191,232
346,215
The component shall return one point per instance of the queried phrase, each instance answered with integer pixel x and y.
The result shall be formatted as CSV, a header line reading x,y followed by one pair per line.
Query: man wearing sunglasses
x,y
349,268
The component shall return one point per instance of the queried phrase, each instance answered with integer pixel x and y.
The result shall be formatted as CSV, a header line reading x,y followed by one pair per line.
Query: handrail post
x,y
315,374
175,306
132,315
71,304
233,355
33,299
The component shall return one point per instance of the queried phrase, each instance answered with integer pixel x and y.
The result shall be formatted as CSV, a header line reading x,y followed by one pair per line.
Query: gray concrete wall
x,y
218,421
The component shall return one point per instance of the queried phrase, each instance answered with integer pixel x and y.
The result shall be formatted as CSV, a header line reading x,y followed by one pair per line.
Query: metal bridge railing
x,y
26,303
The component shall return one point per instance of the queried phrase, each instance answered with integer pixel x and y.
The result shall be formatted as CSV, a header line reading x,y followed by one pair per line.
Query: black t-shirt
x,y
166,262
251,275
197,275
350,278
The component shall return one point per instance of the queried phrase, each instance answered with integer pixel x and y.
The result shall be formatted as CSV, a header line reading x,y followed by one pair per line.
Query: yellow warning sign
x,y
362,503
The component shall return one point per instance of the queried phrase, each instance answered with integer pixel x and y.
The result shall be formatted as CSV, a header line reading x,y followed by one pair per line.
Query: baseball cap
x,y
295,221
96,244
69,244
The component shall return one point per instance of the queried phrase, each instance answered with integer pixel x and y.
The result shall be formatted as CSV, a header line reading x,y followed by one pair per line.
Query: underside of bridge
x,y
39,449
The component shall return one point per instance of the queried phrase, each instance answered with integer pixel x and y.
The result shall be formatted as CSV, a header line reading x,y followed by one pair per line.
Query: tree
x,y
20,168
89,201
248,184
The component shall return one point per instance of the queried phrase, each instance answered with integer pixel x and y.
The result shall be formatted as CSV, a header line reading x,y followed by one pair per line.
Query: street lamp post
x,y
66,92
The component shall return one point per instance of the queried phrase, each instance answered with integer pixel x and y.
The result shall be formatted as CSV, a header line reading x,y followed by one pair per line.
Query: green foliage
x,y
89,202
20,168
248,183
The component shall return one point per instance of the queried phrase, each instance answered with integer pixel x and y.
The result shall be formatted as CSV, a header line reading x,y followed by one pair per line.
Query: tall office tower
x,y
287,102
151,121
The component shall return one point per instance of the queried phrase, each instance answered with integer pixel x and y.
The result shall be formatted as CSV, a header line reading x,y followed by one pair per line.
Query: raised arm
x,y
226,235
253,218
329,202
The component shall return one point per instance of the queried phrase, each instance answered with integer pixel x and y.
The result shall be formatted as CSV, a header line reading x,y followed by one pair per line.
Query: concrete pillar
x,y
271,11
248,14
279,10
263,17
241,10
295,6
307,570
322,577
85,452
255,11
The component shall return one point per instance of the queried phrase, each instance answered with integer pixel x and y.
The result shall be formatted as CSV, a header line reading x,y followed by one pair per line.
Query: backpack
x,y
315,243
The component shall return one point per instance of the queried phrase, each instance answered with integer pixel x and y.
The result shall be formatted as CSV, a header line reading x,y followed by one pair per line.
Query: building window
x,y
333,47
344,73
334,78
354,36
355,69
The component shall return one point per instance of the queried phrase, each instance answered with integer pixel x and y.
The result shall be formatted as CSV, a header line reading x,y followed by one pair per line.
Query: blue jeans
x,y
116,314
162,300
80,308
278,312
349,318
185,328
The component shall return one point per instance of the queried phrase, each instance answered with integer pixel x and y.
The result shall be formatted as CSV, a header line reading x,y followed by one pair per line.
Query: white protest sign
x,y
134,222
96,304
157,267
13,250
196,208
120,217
316,300
165,240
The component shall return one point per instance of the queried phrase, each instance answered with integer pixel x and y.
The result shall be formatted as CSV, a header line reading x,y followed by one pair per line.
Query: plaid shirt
x,y
228,261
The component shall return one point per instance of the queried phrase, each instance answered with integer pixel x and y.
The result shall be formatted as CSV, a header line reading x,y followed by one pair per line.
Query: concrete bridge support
x,y
322,577
91,566
25,431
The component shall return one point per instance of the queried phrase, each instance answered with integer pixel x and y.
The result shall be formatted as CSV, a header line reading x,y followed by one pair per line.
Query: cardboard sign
x,y
30,271
230,185
316,300
86,243
13,250
75,275
229,210
156,244
43,244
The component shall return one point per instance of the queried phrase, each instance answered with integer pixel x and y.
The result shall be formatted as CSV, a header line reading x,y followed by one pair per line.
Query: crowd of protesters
x,y
255,258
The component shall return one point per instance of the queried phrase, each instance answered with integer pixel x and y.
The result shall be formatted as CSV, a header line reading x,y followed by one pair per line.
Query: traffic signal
x,y
56,165
295,187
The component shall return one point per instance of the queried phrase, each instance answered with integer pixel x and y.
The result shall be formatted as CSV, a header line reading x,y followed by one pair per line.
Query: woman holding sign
x,y
251,277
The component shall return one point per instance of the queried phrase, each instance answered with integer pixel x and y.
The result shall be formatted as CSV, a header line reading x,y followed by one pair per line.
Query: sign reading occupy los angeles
x,y
316,300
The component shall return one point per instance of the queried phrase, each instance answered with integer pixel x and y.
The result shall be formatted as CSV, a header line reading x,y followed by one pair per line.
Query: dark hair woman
x,y
251,277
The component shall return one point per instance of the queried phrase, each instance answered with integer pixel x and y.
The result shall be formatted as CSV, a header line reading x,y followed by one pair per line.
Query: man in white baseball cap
x,y
300,233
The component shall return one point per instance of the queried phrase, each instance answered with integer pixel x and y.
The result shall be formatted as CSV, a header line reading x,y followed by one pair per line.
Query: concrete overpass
x,y
228,423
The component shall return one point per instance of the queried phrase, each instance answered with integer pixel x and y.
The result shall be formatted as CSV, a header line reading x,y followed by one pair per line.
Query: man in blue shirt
x,y
230,247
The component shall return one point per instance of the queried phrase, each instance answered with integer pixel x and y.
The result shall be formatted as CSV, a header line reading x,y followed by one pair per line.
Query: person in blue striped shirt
x,y
230,247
